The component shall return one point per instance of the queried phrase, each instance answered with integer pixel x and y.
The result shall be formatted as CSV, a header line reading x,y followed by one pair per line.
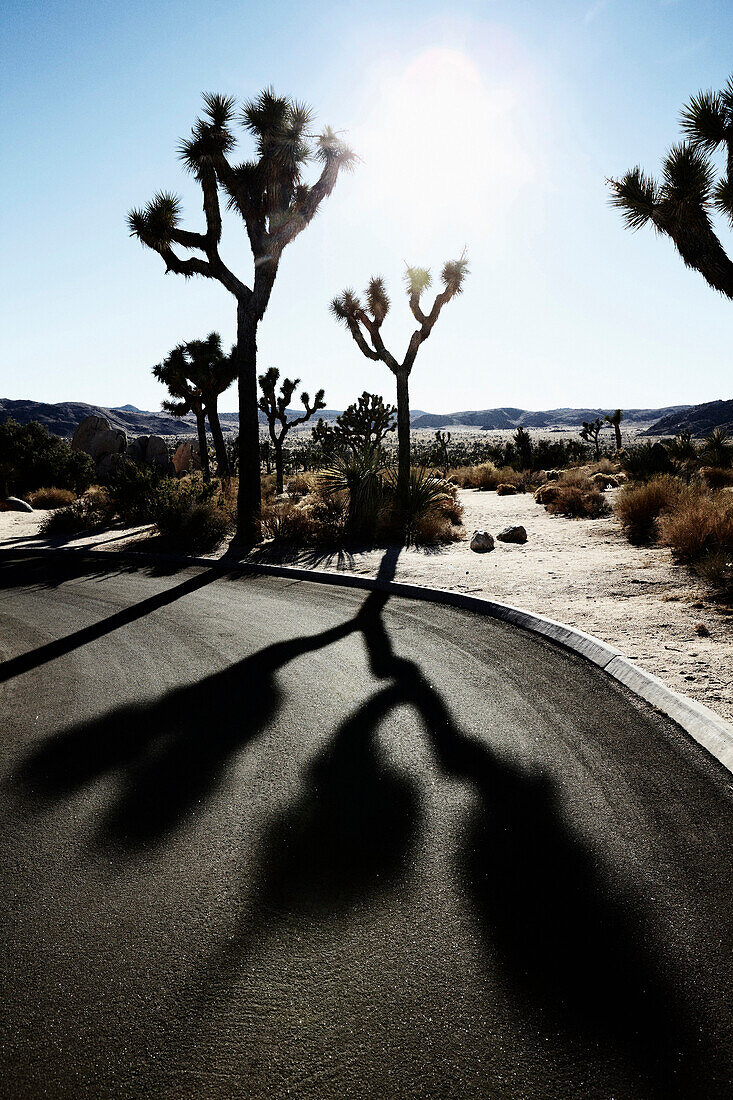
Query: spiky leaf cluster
x,y
154,223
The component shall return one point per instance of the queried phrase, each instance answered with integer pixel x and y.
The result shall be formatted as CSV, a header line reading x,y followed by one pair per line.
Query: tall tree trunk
x,y
617,429
403,435
203,445
216,434
249,497
278,445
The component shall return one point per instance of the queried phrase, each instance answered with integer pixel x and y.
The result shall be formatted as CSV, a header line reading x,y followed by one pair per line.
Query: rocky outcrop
x,y
84,434
150,449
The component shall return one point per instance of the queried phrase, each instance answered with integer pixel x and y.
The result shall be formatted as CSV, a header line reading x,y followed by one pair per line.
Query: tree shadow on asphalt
x,y
569,950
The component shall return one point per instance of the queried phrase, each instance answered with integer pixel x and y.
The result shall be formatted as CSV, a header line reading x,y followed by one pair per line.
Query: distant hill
x,y
504,418
697,419
63,418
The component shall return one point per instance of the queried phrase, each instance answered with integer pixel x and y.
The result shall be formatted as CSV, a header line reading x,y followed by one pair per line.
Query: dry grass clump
x,y
483,476
301,485
437,527
701,630
190,517
51,497
699,523
578,502
639,506
314,520
715,477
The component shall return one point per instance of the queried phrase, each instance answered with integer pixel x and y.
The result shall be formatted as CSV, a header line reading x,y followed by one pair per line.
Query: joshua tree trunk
x,y
617,430
278,446
403,434
203,445
216,434
249,497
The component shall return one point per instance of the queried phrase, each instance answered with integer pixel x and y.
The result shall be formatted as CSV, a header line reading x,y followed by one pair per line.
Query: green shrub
x,y
646,460
639,506
31,457
134,492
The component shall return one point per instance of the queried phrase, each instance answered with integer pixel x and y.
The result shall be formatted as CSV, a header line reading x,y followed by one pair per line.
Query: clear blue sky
x,y
488,124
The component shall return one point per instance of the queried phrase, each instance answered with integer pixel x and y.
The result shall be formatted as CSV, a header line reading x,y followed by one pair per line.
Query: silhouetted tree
x,y
614,419
681,203
523,443
275,409
275,204
717,448
442,439
365,423
186,397
209,373
590,432
365,320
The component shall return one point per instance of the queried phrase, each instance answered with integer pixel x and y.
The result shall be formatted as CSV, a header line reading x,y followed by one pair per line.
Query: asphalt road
x,y
265,838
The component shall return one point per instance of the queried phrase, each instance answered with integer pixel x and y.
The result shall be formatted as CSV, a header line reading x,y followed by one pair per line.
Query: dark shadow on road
x,y
568,948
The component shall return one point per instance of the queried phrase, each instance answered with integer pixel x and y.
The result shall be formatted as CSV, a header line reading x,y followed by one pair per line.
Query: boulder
x,y
482,541
137,448
512,534
112,441
15,504
156,451
182,458
86,430
505,490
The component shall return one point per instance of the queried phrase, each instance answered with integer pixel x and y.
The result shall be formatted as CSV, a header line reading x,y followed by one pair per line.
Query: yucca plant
x,y
426,492
682,202
364,321
359,473
717,449
275,203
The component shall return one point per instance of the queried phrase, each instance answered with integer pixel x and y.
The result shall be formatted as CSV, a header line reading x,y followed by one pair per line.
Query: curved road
x,y
266,838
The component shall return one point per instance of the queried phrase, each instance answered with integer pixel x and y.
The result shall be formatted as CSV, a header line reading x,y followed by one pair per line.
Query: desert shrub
x,y
578,502
547,493
268,486
639,506
426,494
506,489
134,492
717,449
87,513
312,521
435,527
31,457
715,568
646,460
716,477
51,497
300,485
483,476
191,516
700,523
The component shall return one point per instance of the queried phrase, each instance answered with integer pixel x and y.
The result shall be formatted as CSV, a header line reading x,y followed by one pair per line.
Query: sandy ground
x,y
580,572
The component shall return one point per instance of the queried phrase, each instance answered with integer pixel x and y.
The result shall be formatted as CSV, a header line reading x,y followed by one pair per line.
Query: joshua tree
x,y
275,409
615,421
442,439
590,433
681,204
186,397
365,320
275,204
523,443
207,372
365,423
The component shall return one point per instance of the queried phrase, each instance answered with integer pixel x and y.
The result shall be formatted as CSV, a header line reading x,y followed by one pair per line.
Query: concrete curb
x,y
706,727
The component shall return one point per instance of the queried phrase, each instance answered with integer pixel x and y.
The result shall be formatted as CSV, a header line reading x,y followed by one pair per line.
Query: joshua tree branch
x,y
698,245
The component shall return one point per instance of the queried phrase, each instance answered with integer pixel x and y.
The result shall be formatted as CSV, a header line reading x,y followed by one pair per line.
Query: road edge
x,y
711,731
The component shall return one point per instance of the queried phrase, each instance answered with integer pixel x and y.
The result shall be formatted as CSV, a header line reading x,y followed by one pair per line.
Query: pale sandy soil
x,y
580,572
